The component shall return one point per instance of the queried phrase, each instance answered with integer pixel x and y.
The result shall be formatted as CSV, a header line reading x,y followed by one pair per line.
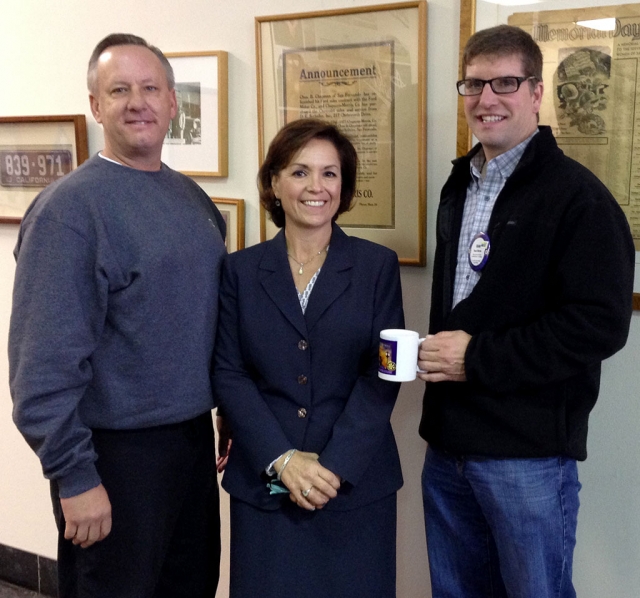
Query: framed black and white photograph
x,y
196,143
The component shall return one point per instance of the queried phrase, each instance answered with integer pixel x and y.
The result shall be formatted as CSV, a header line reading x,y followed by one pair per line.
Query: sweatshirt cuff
x,y
78,481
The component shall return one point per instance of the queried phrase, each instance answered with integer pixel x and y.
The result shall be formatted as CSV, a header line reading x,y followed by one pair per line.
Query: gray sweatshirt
x,y
114,311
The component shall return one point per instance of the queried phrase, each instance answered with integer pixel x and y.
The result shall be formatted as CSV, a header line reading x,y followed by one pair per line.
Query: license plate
x,y
33,167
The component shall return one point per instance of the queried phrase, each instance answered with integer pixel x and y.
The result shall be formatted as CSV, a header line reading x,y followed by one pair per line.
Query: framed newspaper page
x,y
35,151
591,60
232,211
196,143
364,69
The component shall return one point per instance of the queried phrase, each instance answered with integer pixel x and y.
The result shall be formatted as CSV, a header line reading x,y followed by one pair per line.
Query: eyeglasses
x,y
499,85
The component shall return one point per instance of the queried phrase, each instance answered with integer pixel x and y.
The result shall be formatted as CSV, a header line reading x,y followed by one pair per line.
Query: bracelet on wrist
x,y
285,463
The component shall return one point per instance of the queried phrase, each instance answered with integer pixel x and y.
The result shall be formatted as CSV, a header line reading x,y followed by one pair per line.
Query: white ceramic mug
x,y
398,355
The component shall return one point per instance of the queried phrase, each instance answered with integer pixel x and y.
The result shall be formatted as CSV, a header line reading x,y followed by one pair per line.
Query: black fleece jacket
x,y
553,301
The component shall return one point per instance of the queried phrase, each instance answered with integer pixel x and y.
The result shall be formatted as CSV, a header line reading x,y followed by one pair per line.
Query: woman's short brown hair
x,y
287,143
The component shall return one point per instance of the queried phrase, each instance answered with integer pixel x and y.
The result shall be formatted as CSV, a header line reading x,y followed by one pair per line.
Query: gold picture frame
x,y
197,141
34,152
232,210
365,70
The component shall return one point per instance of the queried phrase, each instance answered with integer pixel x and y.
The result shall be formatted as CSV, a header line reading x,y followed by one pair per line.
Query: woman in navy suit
x,y
314,468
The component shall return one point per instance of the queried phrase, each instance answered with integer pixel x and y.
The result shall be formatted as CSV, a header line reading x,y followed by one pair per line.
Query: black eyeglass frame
x,y
519,81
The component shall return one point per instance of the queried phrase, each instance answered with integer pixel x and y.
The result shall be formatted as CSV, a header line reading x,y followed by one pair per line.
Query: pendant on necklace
x,y
303,264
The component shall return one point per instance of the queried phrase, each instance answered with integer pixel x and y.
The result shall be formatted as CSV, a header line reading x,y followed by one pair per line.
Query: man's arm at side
x,y
56,320
87,516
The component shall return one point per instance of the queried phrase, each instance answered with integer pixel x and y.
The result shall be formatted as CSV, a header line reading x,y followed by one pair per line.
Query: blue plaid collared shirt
x,y
482,193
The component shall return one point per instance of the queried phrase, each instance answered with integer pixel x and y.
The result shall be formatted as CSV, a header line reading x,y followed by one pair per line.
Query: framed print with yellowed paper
x,y
35,151
364,70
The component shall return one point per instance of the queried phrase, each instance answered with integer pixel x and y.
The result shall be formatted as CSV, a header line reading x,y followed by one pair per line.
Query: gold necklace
x,y
303,264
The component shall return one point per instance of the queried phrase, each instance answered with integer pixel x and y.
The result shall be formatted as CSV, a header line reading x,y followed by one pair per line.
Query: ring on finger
x,y
306,493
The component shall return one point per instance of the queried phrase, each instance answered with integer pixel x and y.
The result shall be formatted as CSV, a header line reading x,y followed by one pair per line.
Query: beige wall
x,y
44,47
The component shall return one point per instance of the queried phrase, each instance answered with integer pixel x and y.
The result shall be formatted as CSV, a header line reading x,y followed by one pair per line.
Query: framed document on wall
x,y
364,69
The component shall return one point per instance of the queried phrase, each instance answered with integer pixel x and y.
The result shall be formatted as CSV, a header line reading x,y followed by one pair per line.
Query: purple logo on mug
x,y
387,356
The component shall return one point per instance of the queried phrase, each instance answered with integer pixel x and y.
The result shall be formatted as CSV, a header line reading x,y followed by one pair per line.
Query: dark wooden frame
x,y
81,143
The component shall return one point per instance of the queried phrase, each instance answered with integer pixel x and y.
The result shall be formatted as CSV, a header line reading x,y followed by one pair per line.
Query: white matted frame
x,y
197,141
365,70
34,152
232,210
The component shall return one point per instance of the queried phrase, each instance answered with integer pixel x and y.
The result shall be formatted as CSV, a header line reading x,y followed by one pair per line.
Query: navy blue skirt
x,y
313,554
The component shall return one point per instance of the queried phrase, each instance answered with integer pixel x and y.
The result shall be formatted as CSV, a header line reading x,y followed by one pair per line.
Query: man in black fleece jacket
x,y
532,289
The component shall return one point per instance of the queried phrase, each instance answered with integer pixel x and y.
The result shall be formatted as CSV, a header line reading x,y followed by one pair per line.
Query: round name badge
x,y
479,251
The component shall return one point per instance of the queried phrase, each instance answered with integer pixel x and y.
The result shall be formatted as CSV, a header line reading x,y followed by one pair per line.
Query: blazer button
x,y
303,345
302,379
302,412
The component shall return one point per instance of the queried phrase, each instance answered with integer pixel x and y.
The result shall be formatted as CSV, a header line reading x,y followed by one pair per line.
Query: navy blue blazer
x,y
309,381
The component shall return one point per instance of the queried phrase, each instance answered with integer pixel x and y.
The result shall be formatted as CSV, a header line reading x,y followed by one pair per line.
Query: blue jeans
x,y
499,528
